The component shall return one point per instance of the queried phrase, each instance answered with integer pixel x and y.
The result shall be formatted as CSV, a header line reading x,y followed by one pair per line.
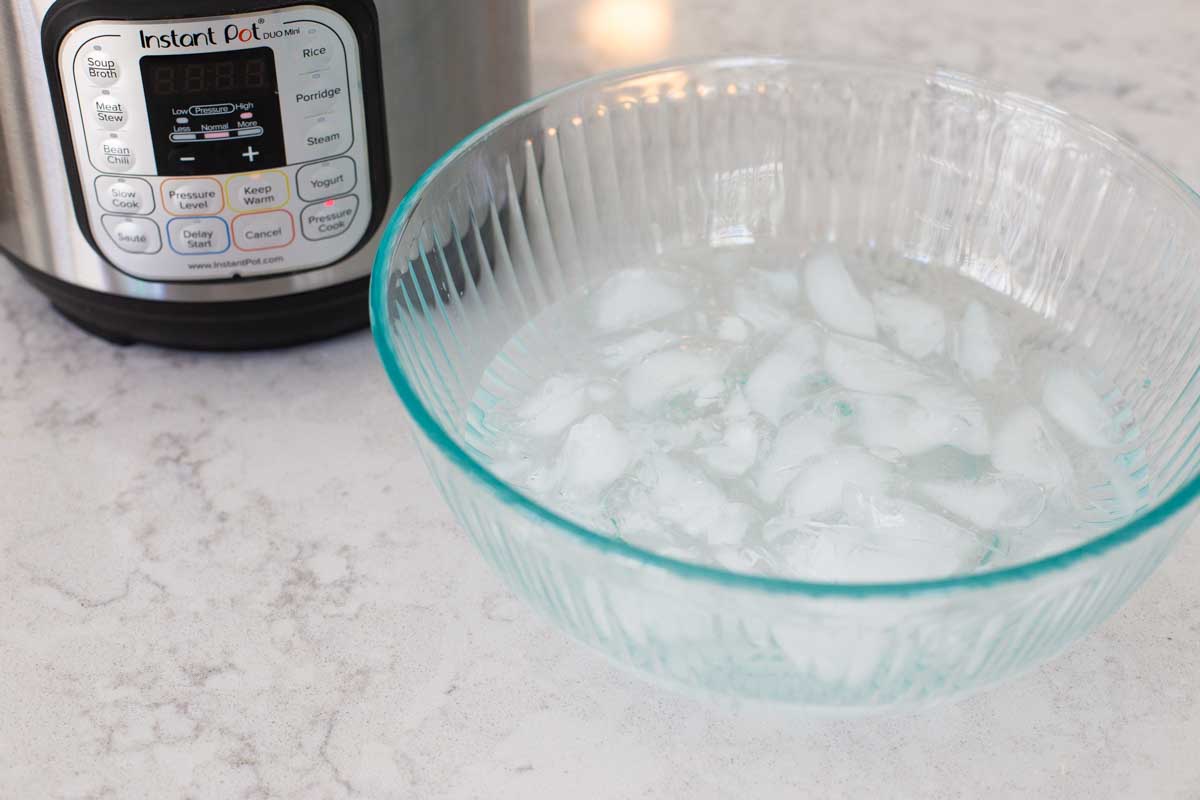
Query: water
x,y
810,417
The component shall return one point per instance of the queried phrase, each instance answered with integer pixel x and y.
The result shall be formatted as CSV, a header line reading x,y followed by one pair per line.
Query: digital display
x,y
214,113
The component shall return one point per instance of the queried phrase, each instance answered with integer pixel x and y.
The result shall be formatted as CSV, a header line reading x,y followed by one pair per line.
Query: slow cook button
x,y
263,230
328,219
116,155
100,68
258,191
124,195
133,234
326,179
192,196
109,112
198,235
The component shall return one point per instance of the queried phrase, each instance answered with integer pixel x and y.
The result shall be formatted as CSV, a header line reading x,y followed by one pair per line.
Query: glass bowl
x,y
933,167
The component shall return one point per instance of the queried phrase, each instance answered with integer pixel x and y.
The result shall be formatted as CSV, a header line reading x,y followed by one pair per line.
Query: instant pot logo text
x,y
210,36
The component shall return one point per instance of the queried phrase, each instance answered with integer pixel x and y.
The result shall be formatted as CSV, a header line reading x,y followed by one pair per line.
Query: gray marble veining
x,y
230,577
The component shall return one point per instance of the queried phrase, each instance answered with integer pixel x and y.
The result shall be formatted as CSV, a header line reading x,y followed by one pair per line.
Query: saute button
x,y
328,219
326,179
263,230
100,68
124,195
193,196
198,235
133,235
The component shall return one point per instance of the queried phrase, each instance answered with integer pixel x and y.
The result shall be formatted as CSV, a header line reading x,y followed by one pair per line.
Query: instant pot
x,y
217,178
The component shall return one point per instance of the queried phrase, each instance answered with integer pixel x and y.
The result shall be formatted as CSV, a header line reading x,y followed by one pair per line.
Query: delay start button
x,y
192,196
328,219
198,235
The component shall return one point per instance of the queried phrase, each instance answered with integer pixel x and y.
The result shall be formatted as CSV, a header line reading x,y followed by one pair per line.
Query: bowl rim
x,y
603,543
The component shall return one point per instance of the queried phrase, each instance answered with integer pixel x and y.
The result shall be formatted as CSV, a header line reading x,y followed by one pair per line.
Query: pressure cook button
x,y
263,230
124,195
326,138
258,191
109,112
192,196
100,68
198,235
133,234
326,179
116,155
328,219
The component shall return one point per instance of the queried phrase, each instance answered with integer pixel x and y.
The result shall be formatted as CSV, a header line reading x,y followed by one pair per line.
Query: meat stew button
x,y
328,219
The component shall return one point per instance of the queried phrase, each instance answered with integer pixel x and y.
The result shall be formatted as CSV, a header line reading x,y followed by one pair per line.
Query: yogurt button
x,y
326,179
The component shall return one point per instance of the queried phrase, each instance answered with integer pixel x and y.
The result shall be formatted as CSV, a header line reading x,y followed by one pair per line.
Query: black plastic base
x,y
238,325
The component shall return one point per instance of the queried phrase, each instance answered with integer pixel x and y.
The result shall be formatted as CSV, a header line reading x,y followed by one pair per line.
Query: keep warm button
x,y
328,219
264,230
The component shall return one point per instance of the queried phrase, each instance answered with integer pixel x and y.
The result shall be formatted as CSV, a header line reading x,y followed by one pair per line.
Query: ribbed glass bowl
x,y
932,167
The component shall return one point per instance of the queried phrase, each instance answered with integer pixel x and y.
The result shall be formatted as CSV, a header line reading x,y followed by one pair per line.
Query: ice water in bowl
x,y
812,416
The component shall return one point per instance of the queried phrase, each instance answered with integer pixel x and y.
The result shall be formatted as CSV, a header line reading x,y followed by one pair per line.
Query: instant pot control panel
x,y
221,147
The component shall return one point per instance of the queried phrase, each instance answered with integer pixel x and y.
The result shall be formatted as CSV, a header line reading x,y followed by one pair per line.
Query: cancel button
x,y
264,230
329,218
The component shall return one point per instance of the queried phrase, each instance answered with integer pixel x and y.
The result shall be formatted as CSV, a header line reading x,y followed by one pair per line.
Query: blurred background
x,y
1131,67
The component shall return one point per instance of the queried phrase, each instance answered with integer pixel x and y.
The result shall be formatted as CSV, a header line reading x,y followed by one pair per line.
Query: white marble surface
x,y
229,577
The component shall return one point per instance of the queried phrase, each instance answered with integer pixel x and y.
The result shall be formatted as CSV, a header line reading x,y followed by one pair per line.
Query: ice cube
x,y
669,373
632,349
558,402
784,374
992,503
737,451
921,543
594,455
833,295
978,349
732,329
870,367
797,441
1074,403
918,327
634,297
819,486
760,311
1024,446
940,417
695,505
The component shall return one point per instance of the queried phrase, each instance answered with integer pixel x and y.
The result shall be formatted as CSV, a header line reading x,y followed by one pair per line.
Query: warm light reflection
x,y
626,31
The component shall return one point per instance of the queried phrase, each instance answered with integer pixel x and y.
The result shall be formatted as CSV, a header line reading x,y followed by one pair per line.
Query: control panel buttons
x,y
328,219
315,49
326,179
263,230
99,67
327,136
193,196
109,112
133,234
198,235
124,195
318,92
258,191
116,155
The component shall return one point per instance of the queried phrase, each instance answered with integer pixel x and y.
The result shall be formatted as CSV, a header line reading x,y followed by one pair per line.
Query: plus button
x,y
250,154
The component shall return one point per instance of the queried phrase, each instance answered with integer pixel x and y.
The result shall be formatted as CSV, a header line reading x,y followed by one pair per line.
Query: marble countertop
x,y
230,577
